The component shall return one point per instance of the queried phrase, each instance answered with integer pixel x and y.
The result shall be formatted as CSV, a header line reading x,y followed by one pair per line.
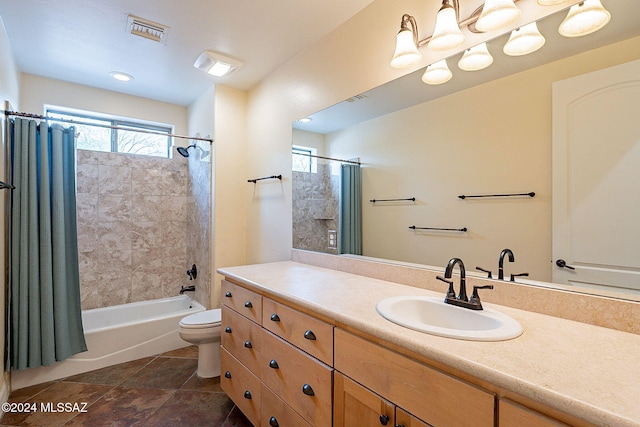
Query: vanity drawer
x,y
242,386
241,337
423,391
276,412
297,378
306,332
242,300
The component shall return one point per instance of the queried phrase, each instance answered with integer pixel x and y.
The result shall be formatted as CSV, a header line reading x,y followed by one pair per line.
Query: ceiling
x,y
81,41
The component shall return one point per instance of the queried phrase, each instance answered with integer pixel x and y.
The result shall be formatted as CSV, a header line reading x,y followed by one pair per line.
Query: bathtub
x,y
119,334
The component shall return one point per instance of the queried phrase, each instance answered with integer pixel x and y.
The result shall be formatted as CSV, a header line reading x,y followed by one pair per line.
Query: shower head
x,y
184,151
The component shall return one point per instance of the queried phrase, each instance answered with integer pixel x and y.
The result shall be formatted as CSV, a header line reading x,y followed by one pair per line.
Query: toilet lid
x,y
202,318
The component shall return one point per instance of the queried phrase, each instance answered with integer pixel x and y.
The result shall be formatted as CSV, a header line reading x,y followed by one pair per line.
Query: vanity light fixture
x,y
437,73
524,40
216,64
497,14
476,58
584,18
447,34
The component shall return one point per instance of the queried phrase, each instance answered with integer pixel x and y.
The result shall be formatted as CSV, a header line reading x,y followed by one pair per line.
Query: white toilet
x,y
203,330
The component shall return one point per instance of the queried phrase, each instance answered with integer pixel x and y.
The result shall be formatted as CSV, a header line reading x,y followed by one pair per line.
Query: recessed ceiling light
x,y
305,120
123,77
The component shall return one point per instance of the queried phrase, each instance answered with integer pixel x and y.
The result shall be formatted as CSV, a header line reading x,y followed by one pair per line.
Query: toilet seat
x,y
202,319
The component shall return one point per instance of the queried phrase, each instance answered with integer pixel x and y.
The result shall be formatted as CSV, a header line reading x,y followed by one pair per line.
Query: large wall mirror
x,y
489,132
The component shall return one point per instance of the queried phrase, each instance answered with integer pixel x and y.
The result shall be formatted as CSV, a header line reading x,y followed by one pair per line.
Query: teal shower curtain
x,y
350,225
44,314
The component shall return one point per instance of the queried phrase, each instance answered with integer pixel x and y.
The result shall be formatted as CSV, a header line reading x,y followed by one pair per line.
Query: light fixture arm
x,y
410,20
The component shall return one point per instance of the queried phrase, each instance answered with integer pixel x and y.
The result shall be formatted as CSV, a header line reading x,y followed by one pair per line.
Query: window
x,y
100,138
302,160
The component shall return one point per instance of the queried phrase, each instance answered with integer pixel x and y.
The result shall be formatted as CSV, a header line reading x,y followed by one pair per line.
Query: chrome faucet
x,y
461,300
501,262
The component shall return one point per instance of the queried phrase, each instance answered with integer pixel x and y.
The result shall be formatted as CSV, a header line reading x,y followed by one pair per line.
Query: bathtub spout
x,y
191,288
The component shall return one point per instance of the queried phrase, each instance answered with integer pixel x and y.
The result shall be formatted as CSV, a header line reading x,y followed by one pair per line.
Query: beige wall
x,y
36,91
498,141
230,182
9,91
352,59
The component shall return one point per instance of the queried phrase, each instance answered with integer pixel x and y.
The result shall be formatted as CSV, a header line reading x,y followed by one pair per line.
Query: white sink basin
x,y
431,315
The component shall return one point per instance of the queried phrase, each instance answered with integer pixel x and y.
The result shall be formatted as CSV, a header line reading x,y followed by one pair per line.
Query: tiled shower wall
x,y
132,228
315,209
199,219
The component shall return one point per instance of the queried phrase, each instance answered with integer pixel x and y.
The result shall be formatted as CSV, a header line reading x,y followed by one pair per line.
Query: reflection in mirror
x,y
486,132
327,198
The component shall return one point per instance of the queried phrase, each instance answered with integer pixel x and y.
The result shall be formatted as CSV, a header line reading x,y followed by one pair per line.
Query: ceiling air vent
x,y
355,98
147,29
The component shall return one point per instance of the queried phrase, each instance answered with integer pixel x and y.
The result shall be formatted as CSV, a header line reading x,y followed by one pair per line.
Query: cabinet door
x,y
405,419
356,406
513,415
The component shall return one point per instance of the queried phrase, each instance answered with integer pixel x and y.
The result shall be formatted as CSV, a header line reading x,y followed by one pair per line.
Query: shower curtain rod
x,y
41,117
353,162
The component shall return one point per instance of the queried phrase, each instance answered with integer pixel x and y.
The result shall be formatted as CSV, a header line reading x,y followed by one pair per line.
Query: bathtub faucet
x,y
191,288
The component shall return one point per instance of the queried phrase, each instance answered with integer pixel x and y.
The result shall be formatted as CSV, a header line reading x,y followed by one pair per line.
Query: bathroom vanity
x,y
304,346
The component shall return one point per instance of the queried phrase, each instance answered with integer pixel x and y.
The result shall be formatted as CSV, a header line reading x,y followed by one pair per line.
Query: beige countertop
x,y
586,371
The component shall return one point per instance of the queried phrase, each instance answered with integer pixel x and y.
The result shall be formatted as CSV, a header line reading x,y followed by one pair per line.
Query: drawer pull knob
x,y
227,329
273,364
227,374
310,335
384,419
227,294
306,389
275,317
248,304
273,422
247,344
247,394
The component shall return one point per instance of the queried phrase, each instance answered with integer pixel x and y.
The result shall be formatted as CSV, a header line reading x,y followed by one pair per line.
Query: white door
x,y
596,179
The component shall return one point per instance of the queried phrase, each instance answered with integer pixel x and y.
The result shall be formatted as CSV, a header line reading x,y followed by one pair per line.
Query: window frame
x,y
310,152
123,123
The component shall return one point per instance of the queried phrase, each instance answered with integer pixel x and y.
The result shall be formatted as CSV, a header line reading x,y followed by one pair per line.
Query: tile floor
x,y
154,391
